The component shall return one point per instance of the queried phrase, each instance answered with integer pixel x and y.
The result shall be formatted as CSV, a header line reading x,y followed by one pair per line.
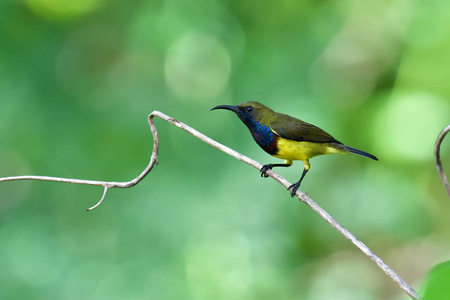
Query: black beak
x,y
228,107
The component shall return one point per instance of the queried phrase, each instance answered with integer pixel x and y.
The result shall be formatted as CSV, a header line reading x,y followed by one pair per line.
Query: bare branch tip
x,y
99,202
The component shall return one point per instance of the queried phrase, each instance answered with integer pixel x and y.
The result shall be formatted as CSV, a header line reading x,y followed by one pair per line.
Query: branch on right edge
x,y
437,157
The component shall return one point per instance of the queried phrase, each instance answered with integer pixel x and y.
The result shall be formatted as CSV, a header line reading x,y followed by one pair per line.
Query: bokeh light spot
x,y
408,125
197,66
61,9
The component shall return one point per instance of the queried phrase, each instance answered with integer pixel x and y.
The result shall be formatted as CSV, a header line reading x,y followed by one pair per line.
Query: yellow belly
x,y
292,150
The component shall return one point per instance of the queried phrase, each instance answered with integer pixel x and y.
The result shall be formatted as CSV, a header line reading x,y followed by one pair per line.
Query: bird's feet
x,y
264,169
294,187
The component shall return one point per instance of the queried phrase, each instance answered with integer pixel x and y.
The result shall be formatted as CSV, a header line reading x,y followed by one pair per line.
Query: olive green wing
x,y
296,130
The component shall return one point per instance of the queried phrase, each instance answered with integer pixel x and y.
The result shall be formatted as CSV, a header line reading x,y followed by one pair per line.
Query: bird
x,y
288,138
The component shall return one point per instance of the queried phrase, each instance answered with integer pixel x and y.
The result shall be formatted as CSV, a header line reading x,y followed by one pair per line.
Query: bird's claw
x,y
294,187
264,169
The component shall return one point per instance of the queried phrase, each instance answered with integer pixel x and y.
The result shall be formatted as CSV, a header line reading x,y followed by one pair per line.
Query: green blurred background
x,y
79,78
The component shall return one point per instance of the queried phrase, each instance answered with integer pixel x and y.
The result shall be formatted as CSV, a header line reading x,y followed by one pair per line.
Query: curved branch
x,y
302,196
106,184
437,156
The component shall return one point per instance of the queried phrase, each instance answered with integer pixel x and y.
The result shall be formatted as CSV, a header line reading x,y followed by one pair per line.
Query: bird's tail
x,y
359,152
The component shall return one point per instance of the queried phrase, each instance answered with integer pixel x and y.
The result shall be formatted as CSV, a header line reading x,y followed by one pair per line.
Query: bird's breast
x,y
264,137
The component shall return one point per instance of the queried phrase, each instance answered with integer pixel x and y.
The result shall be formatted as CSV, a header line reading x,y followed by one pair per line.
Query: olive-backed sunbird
x,y
288,138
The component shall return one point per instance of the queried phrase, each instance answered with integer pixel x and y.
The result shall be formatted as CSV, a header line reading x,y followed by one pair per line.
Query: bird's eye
x,y
249,108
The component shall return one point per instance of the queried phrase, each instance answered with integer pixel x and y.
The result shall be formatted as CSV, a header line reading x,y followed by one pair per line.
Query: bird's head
x,y
249,112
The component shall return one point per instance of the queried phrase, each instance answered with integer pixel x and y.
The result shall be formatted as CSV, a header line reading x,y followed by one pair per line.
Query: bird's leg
x,y
296,185
269,167
287,163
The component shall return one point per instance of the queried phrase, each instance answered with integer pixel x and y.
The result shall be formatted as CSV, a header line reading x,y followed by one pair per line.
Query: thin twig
x,y
101,200
302,196
437,156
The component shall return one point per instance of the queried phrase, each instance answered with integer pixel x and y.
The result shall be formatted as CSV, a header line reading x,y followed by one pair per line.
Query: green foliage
x,y
437,286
